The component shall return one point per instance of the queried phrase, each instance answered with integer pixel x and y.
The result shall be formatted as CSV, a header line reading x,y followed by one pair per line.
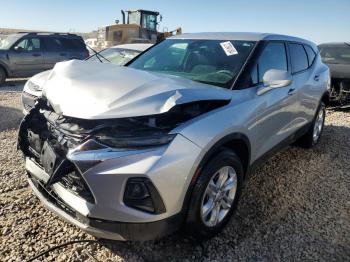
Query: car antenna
x,y
98,55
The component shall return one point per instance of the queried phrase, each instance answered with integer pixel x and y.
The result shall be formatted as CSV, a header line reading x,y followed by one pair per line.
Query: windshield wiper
x,y
98,55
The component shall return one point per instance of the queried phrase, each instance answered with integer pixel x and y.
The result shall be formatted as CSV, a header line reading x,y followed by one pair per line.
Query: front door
x,y
26,57
275,107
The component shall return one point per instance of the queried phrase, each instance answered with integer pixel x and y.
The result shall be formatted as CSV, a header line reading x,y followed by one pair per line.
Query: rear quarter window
x,y
298,58
73,44
310,54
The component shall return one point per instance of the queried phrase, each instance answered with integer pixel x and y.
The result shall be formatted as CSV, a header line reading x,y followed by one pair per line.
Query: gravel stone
x,y
294,207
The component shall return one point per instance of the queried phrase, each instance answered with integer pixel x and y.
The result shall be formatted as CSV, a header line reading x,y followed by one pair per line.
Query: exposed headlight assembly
x,y
136,141
33,87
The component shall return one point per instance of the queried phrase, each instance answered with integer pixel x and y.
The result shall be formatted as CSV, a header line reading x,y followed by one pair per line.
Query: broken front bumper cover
x,y
104,228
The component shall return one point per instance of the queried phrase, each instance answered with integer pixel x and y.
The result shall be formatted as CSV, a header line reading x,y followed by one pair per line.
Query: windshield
x,y
213,62
116,56
7,41
339,54
134,18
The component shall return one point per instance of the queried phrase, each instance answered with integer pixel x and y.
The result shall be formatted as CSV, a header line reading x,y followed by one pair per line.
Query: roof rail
x,y
36,33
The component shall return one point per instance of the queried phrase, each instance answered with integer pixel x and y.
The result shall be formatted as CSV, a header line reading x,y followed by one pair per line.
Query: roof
x,y
248,36
143,10
137,47
45,33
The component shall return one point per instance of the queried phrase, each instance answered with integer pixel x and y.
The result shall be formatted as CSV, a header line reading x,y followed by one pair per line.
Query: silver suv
x,y
136,152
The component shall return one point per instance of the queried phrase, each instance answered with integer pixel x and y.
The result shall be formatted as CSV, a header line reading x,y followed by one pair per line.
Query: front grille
x,y
75,183
53,198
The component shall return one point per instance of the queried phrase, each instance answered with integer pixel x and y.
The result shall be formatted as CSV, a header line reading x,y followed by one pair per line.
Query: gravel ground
x,y
295,207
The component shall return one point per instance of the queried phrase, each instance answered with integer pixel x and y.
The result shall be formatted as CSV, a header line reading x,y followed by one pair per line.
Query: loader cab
x,y
147,20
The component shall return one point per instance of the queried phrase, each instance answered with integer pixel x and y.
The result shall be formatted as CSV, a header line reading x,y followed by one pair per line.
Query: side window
x,y
310,54
53,44
29,44
73,44
298,57
273,57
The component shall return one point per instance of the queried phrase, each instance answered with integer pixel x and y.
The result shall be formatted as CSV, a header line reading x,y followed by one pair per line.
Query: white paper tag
x,y
228,48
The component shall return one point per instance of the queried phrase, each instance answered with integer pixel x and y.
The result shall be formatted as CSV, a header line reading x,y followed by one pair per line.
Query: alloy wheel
x,y
219,196
318,125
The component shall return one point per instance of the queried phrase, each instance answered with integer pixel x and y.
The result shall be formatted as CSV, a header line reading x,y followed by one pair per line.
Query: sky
x,y
317,20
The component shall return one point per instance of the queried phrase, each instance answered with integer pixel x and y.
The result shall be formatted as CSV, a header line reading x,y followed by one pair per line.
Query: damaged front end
x,y
51,141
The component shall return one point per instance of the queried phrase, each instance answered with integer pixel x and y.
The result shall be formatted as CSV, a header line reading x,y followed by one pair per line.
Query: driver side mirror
x,y
274,78
18,49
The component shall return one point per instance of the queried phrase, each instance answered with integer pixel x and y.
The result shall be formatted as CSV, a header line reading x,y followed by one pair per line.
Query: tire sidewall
x,y
195,225
2,76
322,107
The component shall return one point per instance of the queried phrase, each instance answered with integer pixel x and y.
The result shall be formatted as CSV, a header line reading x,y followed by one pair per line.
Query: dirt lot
x,y
296,207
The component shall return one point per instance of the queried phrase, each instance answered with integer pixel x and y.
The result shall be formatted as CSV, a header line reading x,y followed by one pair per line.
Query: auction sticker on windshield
x,y
228,48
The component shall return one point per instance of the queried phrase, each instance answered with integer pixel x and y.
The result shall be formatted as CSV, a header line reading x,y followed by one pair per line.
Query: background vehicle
x,y
135,152
337,58
118,55
26,54
140,26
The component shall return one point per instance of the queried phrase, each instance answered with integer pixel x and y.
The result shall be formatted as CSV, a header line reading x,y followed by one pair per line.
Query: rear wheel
x,y
2,76
311,138
215,195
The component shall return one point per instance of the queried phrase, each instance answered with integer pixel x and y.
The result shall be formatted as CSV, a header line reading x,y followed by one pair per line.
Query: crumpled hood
x,y
38,81
91,90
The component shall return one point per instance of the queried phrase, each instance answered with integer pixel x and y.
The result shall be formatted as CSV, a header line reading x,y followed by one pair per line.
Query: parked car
x,y
119,55
337,57
136,152
26,54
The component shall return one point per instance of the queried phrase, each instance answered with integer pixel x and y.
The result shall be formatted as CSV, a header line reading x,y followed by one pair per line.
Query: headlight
x,y
33,87
136,141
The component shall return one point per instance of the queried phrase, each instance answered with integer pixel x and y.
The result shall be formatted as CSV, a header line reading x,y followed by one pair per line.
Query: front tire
x,y
2,76
215,195
311,138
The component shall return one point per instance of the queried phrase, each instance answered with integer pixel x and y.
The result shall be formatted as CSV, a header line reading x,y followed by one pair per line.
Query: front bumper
x,y
169,167
107,229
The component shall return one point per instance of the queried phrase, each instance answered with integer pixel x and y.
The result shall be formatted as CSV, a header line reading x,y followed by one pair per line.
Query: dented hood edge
x,y
90,90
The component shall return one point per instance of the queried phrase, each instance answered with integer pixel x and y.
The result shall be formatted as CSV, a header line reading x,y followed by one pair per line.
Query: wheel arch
x,y
326,98
237,142
3,66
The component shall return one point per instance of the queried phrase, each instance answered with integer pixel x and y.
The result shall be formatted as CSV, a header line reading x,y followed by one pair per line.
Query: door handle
x,y
36,55
316,77
291,91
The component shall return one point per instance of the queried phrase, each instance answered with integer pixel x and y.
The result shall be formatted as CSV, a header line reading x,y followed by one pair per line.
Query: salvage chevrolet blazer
x,y
136,152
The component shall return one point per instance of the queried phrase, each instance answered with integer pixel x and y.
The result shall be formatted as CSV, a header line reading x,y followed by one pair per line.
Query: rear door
x,y
26,56
54,51
275,107
305,83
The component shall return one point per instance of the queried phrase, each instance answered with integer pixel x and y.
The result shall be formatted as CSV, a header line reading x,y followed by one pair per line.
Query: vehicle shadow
x,y
13,85
277,203
10,118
